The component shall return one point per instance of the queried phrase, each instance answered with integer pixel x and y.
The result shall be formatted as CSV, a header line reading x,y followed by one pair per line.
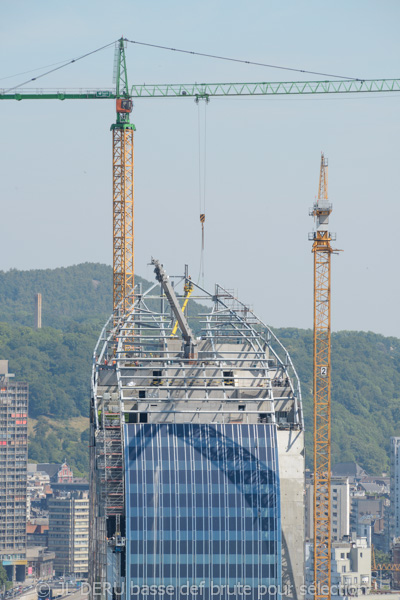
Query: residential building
x,y
37,533
351,470
350,567
13,468
38,489
69,533
340,509
58,473
40,562
396,560
394,529
365,510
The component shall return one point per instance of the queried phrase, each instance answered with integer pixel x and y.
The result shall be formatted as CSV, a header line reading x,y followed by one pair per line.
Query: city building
x,y
58,473
13,473
69,533
364,513
197,450
350,567
40,562
38,490
37,534
340,508
394,527
396,561
48,478
351,470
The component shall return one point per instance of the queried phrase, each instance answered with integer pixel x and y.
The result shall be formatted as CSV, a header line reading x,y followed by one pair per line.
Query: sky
x,y
262,155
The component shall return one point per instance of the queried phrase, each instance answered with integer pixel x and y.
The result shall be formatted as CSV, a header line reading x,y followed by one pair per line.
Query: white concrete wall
x,y
291,473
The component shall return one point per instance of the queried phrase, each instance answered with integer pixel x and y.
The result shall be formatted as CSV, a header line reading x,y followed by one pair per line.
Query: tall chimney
x,y
38,311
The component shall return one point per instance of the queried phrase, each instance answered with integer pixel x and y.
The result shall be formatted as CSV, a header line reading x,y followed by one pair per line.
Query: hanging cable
x,y
60,62
203,212
202,151
199,151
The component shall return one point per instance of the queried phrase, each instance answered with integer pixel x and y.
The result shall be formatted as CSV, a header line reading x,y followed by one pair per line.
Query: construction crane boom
x,y
123,155
206,90
322,251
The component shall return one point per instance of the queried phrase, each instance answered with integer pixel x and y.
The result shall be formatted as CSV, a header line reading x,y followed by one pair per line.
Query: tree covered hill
x,y
365,393
56,362
78,293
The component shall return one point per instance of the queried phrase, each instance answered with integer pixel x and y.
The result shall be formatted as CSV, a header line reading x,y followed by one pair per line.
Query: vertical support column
x,y
322,251
123,219
322,415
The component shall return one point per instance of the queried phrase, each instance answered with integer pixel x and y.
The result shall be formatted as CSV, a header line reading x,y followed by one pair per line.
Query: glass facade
x,y
203,511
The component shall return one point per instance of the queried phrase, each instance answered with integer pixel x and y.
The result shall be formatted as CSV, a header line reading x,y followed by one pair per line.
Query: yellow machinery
x,y
188,291
322,251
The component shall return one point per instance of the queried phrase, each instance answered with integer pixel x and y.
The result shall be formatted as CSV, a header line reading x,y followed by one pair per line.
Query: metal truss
x,y
204,90
123,219
231,338
322,251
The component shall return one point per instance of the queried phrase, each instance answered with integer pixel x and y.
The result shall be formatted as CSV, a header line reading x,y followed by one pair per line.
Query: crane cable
x,y
240,60
69,62
202,182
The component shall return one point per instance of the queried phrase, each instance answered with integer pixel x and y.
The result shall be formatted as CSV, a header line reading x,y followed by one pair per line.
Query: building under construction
x,y
197,451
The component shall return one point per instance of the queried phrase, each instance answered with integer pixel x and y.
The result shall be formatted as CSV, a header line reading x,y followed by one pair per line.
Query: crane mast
x,y
322,251
123,199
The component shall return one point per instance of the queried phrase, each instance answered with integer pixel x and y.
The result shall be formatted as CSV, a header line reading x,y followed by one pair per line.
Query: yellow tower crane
x,y
322,251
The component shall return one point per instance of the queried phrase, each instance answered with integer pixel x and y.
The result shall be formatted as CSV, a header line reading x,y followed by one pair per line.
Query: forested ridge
x,y
56,362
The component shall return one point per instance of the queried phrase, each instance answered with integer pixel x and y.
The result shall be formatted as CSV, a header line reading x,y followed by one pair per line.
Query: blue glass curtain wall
x,y
203,510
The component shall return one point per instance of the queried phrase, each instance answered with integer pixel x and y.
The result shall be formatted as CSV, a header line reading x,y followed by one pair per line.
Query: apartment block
x,y
69,533
13,473
394,525
350,567
340,509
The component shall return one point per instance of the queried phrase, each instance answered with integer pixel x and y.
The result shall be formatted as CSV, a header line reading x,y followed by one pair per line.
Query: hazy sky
x,y
263,154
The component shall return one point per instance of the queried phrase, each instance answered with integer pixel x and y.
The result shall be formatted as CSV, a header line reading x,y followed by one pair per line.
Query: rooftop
x,y
236,371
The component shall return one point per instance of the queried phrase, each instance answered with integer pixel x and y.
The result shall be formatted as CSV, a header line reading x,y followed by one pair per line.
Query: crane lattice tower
x,y
322,251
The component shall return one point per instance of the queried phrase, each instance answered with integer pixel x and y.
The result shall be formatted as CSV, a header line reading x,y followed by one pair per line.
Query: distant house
x,y
37,534
371,488
61,477
351,470
50,468
65,475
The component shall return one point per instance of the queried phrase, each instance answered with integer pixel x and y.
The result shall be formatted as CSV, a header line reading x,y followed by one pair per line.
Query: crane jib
x,y
205,90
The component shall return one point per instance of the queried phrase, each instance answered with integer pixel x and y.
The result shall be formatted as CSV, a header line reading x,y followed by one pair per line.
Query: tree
x,y
3,578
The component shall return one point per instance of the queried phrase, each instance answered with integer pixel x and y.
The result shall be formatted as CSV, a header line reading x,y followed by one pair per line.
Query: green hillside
x,y
365,393
56,362
78,293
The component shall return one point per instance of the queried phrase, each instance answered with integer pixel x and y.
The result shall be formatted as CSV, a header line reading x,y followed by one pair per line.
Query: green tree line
x,y
56,361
